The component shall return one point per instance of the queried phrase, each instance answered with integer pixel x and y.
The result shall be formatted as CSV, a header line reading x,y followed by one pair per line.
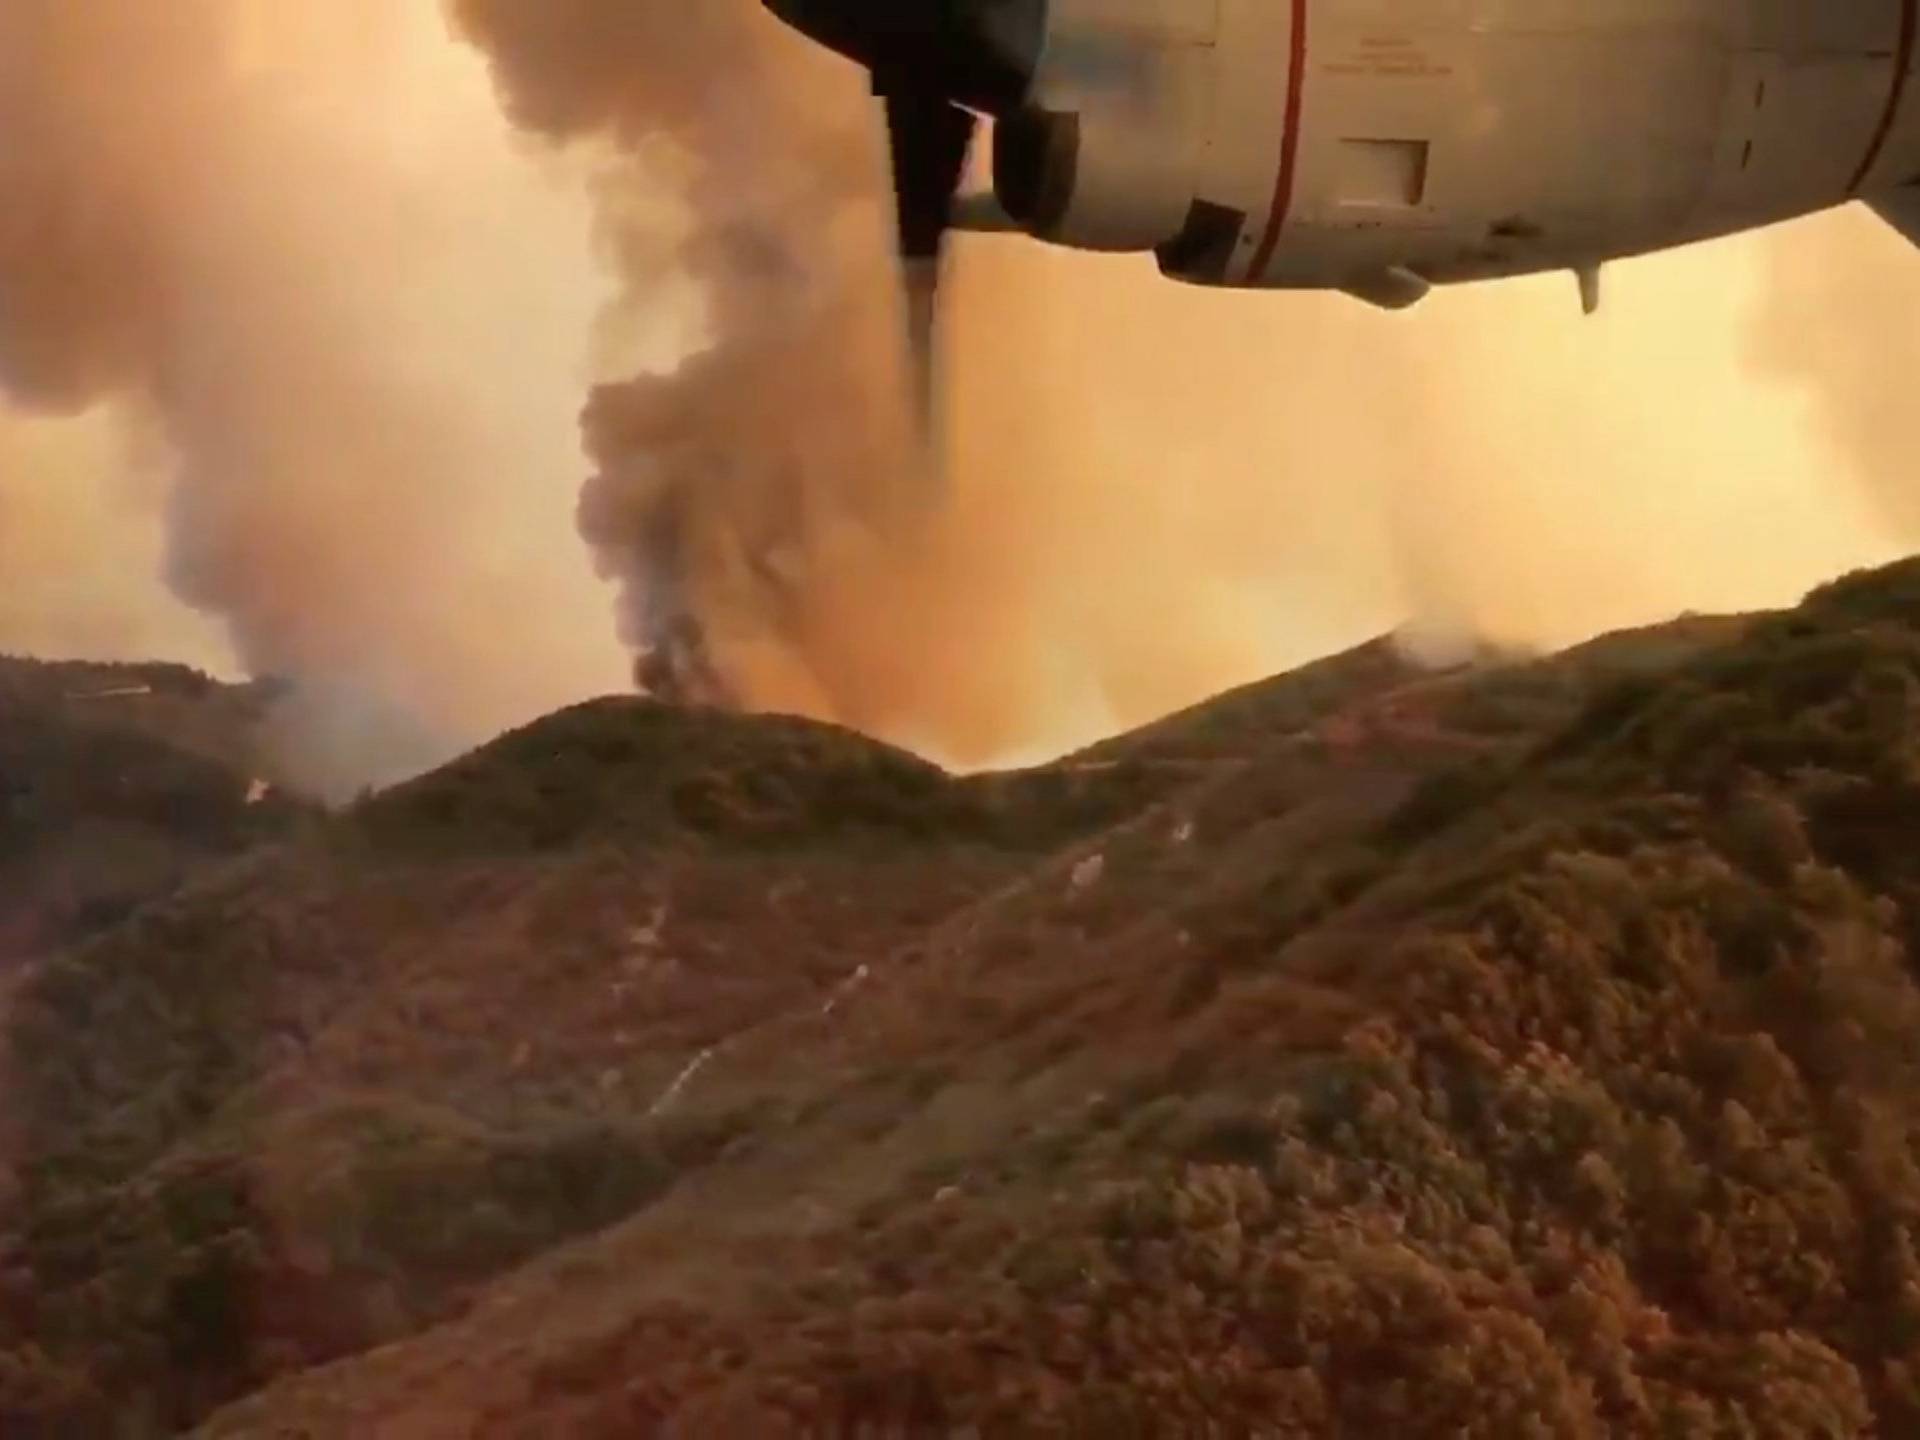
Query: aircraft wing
x,y
1901,209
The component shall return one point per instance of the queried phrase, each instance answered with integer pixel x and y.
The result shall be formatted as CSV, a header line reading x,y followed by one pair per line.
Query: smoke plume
x,y
80,545
326,329
1839,326
1156,492
273,235
717,481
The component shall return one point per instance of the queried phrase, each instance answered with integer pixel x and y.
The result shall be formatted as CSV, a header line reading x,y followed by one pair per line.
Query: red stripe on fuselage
x,y
1290,145
1902,64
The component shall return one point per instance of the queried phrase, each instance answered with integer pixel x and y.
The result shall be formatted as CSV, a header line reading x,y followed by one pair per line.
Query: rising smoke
x,y
81,541
1155,492
717,482
1839,325
268,233
290,239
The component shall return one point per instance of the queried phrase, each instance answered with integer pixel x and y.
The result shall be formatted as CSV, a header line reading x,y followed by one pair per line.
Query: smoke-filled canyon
x,y
330,298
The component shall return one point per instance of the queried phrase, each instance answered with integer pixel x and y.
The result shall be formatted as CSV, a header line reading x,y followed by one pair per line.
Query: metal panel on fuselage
x,y
1817,109
1240,161
1473,138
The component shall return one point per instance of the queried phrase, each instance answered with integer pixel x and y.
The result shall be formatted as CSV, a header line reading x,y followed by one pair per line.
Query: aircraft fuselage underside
x,y
1379,146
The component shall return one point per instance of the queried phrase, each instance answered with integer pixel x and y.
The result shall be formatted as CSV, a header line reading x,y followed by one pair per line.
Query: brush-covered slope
x,y
1524,1050
116,782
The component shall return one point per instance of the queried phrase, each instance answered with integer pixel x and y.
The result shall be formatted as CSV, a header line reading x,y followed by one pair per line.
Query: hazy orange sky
x,y
1159,492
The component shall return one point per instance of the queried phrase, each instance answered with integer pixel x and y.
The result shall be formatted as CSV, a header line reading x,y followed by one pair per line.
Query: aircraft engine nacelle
x,y
1106,154
1093,180
1382,147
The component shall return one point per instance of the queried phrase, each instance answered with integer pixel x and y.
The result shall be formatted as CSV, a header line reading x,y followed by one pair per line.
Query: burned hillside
x,y
1522,1049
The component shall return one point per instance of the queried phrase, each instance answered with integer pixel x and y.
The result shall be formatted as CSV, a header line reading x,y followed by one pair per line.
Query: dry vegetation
x,y
117,782
1525,1051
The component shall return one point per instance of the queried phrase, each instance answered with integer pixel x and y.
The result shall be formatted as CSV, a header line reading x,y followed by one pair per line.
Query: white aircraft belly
x,y
1457,139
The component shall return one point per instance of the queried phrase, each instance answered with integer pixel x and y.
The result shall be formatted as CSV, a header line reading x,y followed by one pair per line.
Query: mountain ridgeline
x,y
1526,1049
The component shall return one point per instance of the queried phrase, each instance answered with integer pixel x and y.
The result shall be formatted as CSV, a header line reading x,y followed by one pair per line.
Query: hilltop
x,y
1520,1049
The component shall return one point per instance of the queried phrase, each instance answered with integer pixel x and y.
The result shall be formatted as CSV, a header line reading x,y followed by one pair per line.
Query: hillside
x,y
116,783
1526,1049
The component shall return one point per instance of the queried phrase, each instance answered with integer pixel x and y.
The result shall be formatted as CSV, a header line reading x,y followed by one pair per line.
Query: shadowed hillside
x,y
116,783
1525,1049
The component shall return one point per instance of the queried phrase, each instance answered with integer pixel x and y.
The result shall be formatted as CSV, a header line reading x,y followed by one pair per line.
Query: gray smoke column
x,y
715,483
284,242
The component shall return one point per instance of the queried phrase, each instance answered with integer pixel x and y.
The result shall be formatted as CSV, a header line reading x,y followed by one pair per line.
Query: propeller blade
x,y
930,138
937,63
980,53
